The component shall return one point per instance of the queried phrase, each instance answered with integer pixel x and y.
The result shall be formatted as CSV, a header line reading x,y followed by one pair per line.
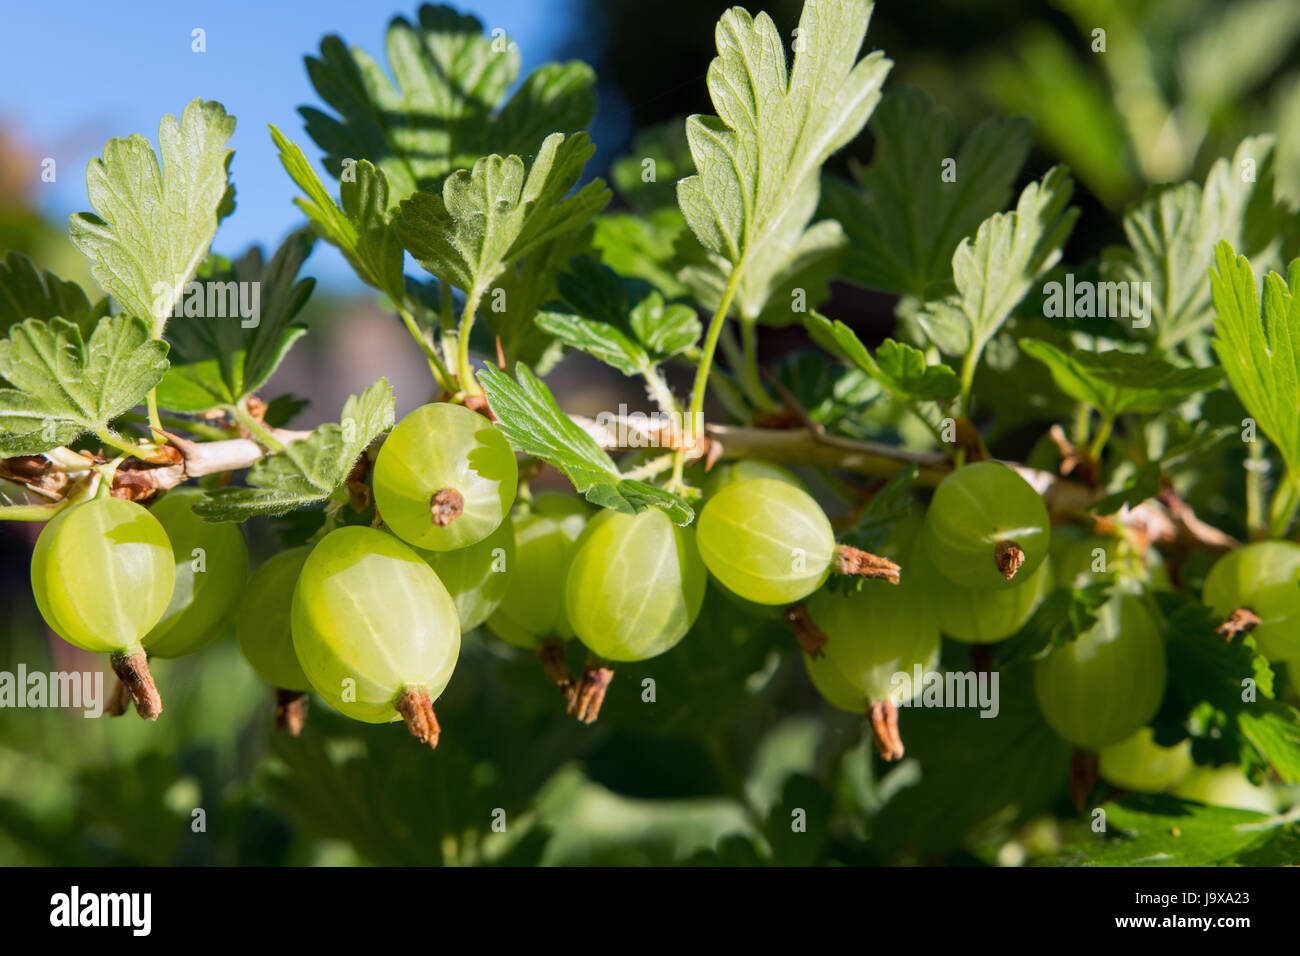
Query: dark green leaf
x,y
448,107
216,360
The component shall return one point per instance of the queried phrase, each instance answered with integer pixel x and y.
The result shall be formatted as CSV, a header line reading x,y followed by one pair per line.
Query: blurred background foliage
x,y
735,744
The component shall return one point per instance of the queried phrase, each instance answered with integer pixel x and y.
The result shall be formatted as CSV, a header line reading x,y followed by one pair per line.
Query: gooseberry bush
x,y
1040,560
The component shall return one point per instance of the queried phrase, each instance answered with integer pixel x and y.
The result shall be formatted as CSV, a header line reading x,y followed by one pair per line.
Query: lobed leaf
x,y
486,218
1260,351
904,216
758,161
448,105
156,213
995,270
66,385
1117,382
26,293
361,227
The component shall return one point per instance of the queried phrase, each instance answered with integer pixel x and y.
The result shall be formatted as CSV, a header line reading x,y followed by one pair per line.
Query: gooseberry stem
x,y
132,669
883,717
695,410
590,693
551,655
467,382
290,710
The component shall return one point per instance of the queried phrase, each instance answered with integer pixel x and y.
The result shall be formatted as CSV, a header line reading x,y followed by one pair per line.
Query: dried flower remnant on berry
x,y
446,506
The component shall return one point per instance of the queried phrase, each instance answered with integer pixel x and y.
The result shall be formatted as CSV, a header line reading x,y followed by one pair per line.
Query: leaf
x,y
361,226
974,770
643,248
309,470
903,216
1207,681
446,109
1173,232
1010,250
26,293
65,386
758,161
1260,352
1062,617
1143,485
623,322
215,359
1117,382
1165,831
532,420
487,218
523,289
898,367
154,223
599,339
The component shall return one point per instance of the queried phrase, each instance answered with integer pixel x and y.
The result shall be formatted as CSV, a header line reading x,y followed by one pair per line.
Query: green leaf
x,y
1165,831
1207,681
1116,382
1260,352
216,360
1062,616
898,367
446,109
975,771
26,293
1144,484
487,218
530,417
521,291
153,223
599,339
1173,232
623,322
1009,252
904,217
361,227
308,471
643,248
65,386
758,161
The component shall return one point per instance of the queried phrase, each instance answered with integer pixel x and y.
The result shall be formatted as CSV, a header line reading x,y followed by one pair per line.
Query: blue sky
x,y
74,74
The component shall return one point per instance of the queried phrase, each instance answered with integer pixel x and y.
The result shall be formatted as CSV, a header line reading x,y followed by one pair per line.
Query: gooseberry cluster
x,y
370,618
